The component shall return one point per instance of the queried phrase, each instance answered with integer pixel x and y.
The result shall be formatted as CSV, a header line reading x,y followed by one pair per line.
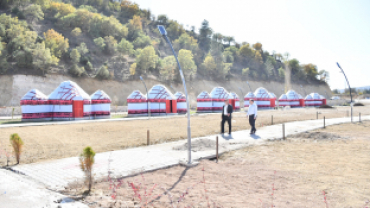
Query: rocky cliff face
x,y
12,88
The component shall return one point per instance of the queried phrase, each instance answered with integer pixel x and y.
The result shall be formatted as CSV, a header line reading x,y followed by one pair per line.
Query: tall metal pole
x,y
350,91
249,86
147,99
162,30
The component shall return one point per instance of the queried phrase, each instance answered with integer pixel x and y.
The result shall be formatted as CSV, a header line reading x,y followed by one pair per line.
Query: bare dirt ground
x,y
61,141
326,168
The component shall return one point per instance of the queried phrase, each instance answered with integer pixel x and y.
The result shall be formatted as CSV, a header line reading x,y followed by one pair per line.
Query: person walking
x,y
252,114
227,110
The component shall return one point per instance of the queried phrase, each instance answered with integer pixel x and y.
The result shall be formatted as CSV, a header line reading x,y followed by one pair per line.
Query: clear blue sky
x,y
321,32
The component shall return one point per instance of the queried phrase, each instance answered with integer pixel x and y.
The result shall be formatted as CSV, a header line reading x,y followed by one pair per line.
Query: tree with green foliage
x,y
245,71
142,41
209,64
229,39
76,32
310,70
126,47
281,72
75,70
110,44
42,58
17,143
88,8
133,69
75,56
56,42
187,62
187,42
34,11
103,72
146,59
100,43
129,9
86,162
174,30
204,39
169,67
82,49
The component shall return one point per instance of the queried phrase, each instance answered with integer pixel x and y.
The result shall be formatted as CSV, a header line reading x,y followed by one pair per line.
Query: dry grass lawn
x,y
61,141
292,173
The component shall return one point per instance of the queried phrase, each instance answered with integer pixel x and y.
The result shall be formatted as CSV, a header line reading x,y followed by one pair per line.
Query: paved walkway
x,y
18,191
57,174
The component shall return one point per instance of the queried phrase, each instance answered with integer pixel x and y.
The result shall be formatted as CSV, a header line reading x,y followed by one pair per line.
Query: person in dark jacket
x,y
227,110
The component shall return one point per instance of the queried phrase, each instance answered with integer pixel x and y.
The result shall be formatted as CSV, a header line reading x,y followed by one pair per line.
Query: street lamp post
x,y
163,32
242,94
249,86
350,91
148,103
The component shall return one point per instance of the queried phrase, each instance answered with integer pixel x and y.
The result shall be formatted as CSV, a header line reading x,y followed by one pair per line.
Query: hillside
x,y
111,40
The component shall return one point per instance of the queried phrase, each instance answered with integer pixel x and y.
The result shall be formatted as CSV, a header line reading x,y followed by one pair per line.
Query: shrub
x,y
17,144
87,162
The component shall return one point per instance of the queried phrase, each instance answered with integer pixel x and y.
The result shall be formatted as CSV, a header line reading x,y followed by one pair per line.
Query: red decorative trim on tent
x,y
158,111
263,105
217,108
283,100
204,108
204,100
100,113
157,100
34,102
218,100
137,111
293,100
87,114
87,102
61,115
262,99
136,101
181,100
100,101
35,115
249,98
60,102
182,110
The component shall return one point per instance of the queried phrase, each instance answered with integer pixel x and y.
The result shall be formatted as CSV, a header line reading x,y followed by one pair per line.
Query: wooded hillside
x,y
117,40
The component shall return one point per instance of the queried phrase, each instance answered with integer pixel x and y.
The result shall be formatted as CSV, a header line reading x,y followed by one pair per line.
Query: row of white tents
x,y
68,101
213,102
158,101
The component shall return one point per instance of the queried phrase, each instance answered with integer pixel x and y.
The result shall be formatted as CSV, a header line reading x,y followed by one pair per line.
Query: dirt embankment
x,y
12,88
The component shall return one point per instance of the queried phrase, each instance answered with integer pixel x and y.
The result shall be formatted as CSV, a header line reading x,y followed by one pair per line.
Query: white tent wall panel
x,y
181,107
263,103
137,108
204,106
157,108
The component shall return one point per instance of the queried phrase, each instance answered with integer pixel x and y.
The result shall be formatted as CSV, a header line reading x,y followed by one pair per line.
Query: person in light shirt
x,y
252,114
227,110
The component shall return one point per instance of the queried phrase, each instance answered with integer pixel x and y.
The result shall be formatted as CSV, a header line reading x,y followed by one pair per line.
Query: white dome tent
x,y
263,99
308,101
247,97
137,104
317,101
204,103
218,95
162,101
235,97
283,100
181,102
68,101
293,98
35,106
100,105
